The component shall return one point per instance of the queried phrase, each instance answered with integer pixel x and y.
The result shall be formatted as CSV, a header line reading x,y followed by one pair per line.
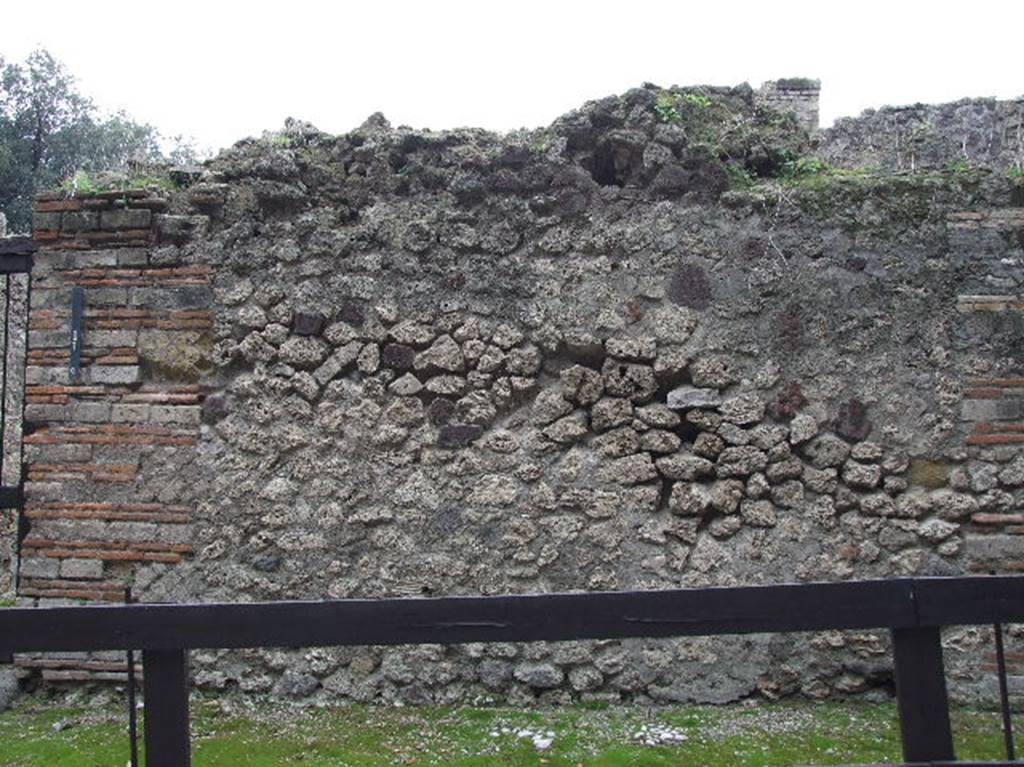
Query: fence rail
x,y
913,609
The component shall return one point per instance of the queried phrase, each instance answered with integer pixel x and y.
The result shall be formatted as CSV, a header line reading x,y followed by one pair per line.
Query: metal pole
x,y
133,733
1004,696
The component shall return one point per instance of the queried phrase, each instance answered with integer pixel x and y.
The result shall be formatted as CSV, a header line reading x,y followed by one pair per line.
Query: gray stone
x,y
549,406
303,351
758,513
113,374
572,428
952,506
507,336
415,334
398,356
491,359
444,354
541,676
877,505
296,684
337,363
689,499
125,218
618,442
683,466
450,385
742,410
1012,475
458,434
686,397
725,527
406,386
770,437
81,568
716,371
726,495
705,420
660,441
658,415
610,412
585,678
582,384
368,360
823,481
791,468
90,412
708,445
632,349
757,486
826,451
740,461
733,434
630,380
630,469
867,452
789,494
802,428
937,530
308,323
670,364
494,674
859,475
524,361
983,476
9,688
39,567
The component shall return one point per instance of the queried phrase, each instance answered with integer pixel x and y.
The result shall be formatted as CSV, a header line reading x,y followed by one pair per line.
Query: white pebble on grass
x,y
657,735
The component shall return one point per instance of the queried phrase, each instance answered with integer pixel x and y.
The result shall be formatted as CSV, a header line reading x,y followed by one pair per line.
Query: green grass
x,y
234,732
83,184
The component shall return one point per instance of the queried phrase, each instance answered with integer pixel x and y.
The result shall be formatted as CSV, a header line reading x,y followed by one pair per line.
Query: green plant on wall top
x,y
83,184
666,106
962,166
670,105
801,167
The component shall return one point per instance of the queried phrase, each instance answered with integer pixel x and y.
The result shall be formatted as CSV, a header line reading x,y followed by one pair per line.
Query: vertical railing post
x,y
1004,694
166,696
921,695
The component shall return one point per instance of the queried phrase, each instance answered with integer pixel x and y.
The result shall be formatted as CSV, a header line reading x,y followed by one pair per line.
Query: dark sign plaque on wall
x,y
77,310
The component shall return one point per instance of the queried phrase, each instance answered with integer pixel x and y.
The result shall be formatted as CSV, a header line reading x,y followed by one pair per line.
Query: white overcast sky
x,y
221,70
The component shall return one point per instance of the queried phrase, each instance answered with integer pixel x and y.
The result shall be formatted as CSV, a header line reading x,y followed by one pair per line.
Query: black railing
x,y
913,609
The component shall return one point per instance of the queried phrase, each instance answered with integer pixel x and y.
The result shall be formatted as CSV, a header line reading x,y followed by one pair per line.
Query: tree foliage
x,y
49,130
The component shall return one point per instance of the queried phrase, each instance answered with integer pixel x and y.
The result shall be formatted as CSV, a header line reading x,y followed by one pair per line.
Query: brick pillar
x,y
106,453
796,95
992,401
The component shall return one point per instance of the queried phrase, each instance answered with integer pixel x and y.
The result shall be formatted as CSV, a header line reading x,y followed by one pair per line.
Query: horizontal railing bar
x,y
888,603
15,263
10,497
17,246
976,600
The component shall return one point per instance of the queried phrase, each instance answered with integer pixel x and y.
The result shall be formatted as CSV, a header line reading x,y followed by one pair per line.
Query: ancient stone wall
x,y
644,347
971,132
